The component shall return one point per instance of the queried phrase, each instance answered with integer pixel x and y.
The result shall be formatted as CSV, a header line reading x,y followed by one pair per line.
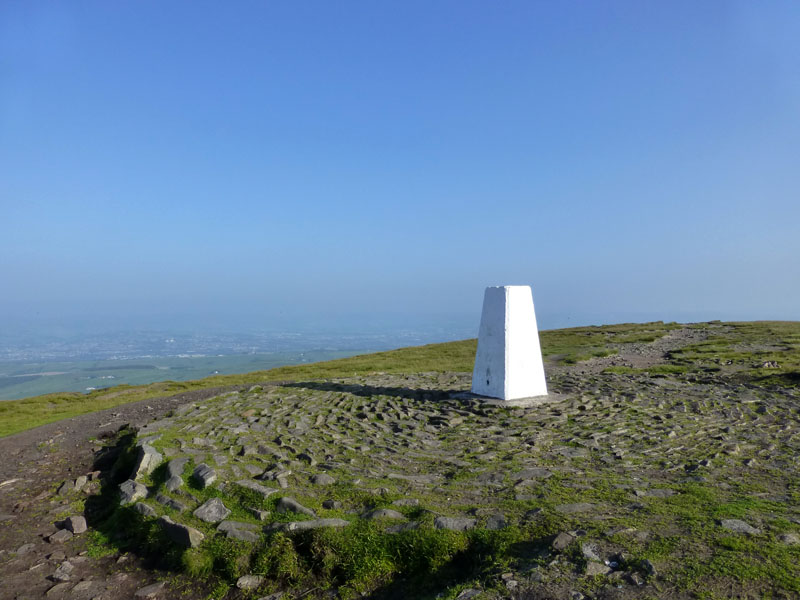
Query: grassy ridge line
x,y
19,415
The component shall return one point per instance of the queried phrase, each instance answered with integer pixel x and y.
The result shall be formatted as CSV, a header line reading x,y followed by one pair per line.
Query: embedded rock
x,y
236,530
189,537
249,582
130,491
144,509
322,479
176,466
76,524
303,525
173,483
739,526
384,513
454,523
260,489
147,459
287,504
204,475
212,511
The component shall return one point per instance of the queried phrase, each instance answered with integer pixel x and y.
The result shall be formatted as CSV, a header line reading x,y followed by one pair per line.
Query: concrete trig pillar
x,y
508,364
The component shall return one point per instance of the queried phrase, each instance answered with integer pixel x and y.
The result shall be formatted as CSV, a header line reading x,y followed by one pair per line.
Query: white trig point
x,y
508,364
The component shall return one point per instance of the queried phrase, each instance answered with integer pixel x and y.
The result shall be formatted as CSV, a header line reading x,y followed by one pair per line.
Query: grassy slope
x,y
563,345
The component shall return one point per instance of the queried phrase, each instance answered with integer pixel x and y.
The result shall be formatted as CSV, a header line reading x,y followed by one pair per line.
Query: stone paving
x,y
404,451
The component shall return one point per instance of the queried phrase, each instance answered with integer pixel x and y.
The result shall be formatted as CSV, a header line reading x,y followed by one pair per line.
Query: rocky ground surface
x,y
624,469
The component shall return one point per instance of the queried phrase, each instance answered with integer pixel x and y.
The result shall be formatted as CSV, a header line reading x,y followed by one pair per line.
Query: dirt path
x,y
34,463
640,356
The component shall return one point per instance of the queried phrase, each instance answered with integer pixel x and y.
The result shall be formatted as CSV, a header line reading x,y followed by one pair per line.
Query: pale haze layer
x,y
262,164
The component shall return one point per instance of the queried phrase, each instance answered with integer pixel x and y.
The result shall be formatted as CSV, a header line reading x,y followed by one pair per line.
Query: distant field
x,y
21,380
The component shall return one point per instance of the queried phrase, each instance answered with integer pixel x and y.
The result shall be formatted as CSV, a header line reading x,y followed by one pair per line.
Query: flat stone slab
x,y
578,507
240,531
287,504
256,487
454,523
212,511
384,513
739,526
304,525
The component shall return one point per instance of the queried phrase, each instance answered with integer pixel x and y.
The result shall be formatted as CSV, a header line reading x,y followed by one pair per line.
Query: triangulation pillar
x,y
508,364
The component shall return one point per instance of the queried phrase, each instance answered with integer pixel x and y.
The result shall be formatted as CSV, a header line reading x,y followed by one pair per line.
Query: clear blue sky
x,y
629,160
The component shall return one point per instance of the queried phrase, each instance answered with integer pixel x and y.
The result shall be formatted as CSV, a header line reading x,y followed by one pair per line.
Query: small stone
x,y
150,591
144,509
57,556
76,524
576,596
183,535
532,514
212,511
454,523
590,552
130,491
260,489
65,488
384,513
332,504
307,458
304,525
634,579
82,587
204,475
24,549
406,502
789,538
171,502
596,568
60,536
261,515
249,582
59,589
176,466
561,541
173,483
63,572
80,482
739,526
236,530
649,568
534,473
468,593
322,479
575,508
496,521
287,504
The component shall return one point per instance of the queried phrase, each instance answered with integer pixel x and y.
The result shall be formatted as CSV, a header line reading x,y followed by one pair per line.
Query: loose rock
x,y
454,523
